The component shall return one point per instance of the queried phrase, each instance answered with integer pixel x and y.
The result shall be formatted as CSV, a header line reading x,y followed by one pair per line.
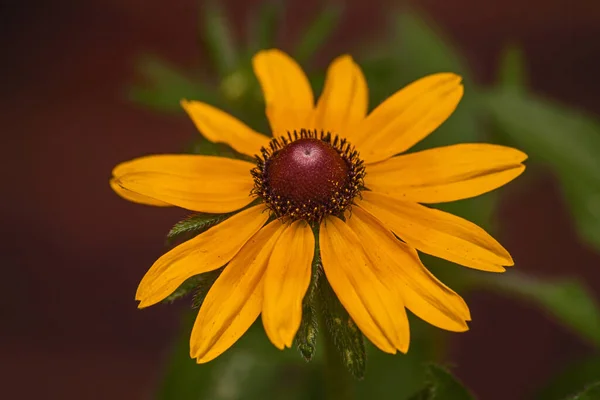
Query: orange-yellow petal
x,y
220,127
206,252
344,100
438,233
286,281
398,263
235,300
408,116
446,173
288,95
372,302
134,197
197,183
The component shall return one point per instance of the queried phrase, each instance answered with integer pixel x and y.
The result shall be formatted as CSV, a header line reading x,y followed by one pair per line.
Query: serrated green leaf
x,y
199,285
184,289
512,74
347,338
203,284
567,300
442,385
562,139
592,392
218,36
318,32
165,86
306,337
194,225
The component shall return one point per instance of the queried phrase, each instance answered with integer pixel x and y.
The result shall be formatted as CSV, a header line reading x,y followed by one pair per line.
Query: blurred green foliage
x,y
576,375
591,392
566,300
442,385
559,139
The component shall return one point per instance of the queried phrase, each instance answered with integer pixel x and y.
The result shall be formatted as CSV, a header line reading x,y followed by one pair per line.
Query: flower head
x,y
332,170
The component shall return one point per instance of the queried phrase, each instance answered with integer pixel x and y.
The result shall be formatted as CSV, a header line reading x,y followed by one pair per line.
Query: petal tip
x,y
266,53
142,304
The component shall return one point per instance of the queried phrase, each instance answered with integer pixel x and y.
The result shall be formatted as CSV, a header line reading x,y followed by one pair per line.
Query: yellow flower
x,y
337,169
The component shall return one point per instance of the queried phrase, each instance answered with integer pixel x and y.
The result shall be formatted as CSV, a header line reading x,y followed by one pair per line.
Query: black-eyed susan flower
x,y
332,170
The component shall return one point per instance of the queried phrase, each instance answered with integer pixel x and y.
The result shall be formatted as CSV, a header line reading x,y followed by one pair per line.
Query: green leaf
x,y
184,289
397,376
569,301
347,338
218,35
562,139
199,284
442,385
575,376
248,370
416,49
583,196
422,51
185,230
203,284
194,225
318,31
592,392
165,86
306,337
263,25
512,72
425,50
202,146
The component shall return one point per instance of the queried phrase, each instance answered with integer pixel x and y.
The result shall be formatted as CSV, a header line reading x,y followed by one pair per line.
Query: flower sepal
x,y
347,339
306,337
193,225
182,231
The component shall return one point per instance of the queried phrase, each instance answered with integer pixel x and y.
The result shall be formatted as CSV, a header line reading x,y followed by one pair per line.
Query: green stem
x,y
339,384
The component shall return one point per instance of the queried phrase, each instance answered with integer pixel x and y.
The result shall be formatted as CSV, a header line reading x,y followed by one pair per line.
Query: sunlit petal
x,y
235,300
206,252
438,233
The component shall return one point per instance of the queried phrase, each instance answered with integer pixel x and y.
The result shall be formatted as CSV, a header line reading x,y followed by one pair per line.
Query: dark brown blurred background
x,y
73,252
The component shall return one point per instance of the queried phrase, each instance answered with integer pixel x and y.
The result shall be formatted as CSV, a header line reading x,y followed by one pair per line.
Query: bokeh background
x,y
73,252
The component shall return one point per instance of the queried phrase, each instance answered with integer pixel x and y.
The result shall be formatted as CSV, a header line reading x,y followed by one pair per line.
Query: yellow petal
x,y
288,95
235,300
408,116
198,183
286,281
446,173
372,302
220,127
438,233
421,292
206,252
134,197
344,100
